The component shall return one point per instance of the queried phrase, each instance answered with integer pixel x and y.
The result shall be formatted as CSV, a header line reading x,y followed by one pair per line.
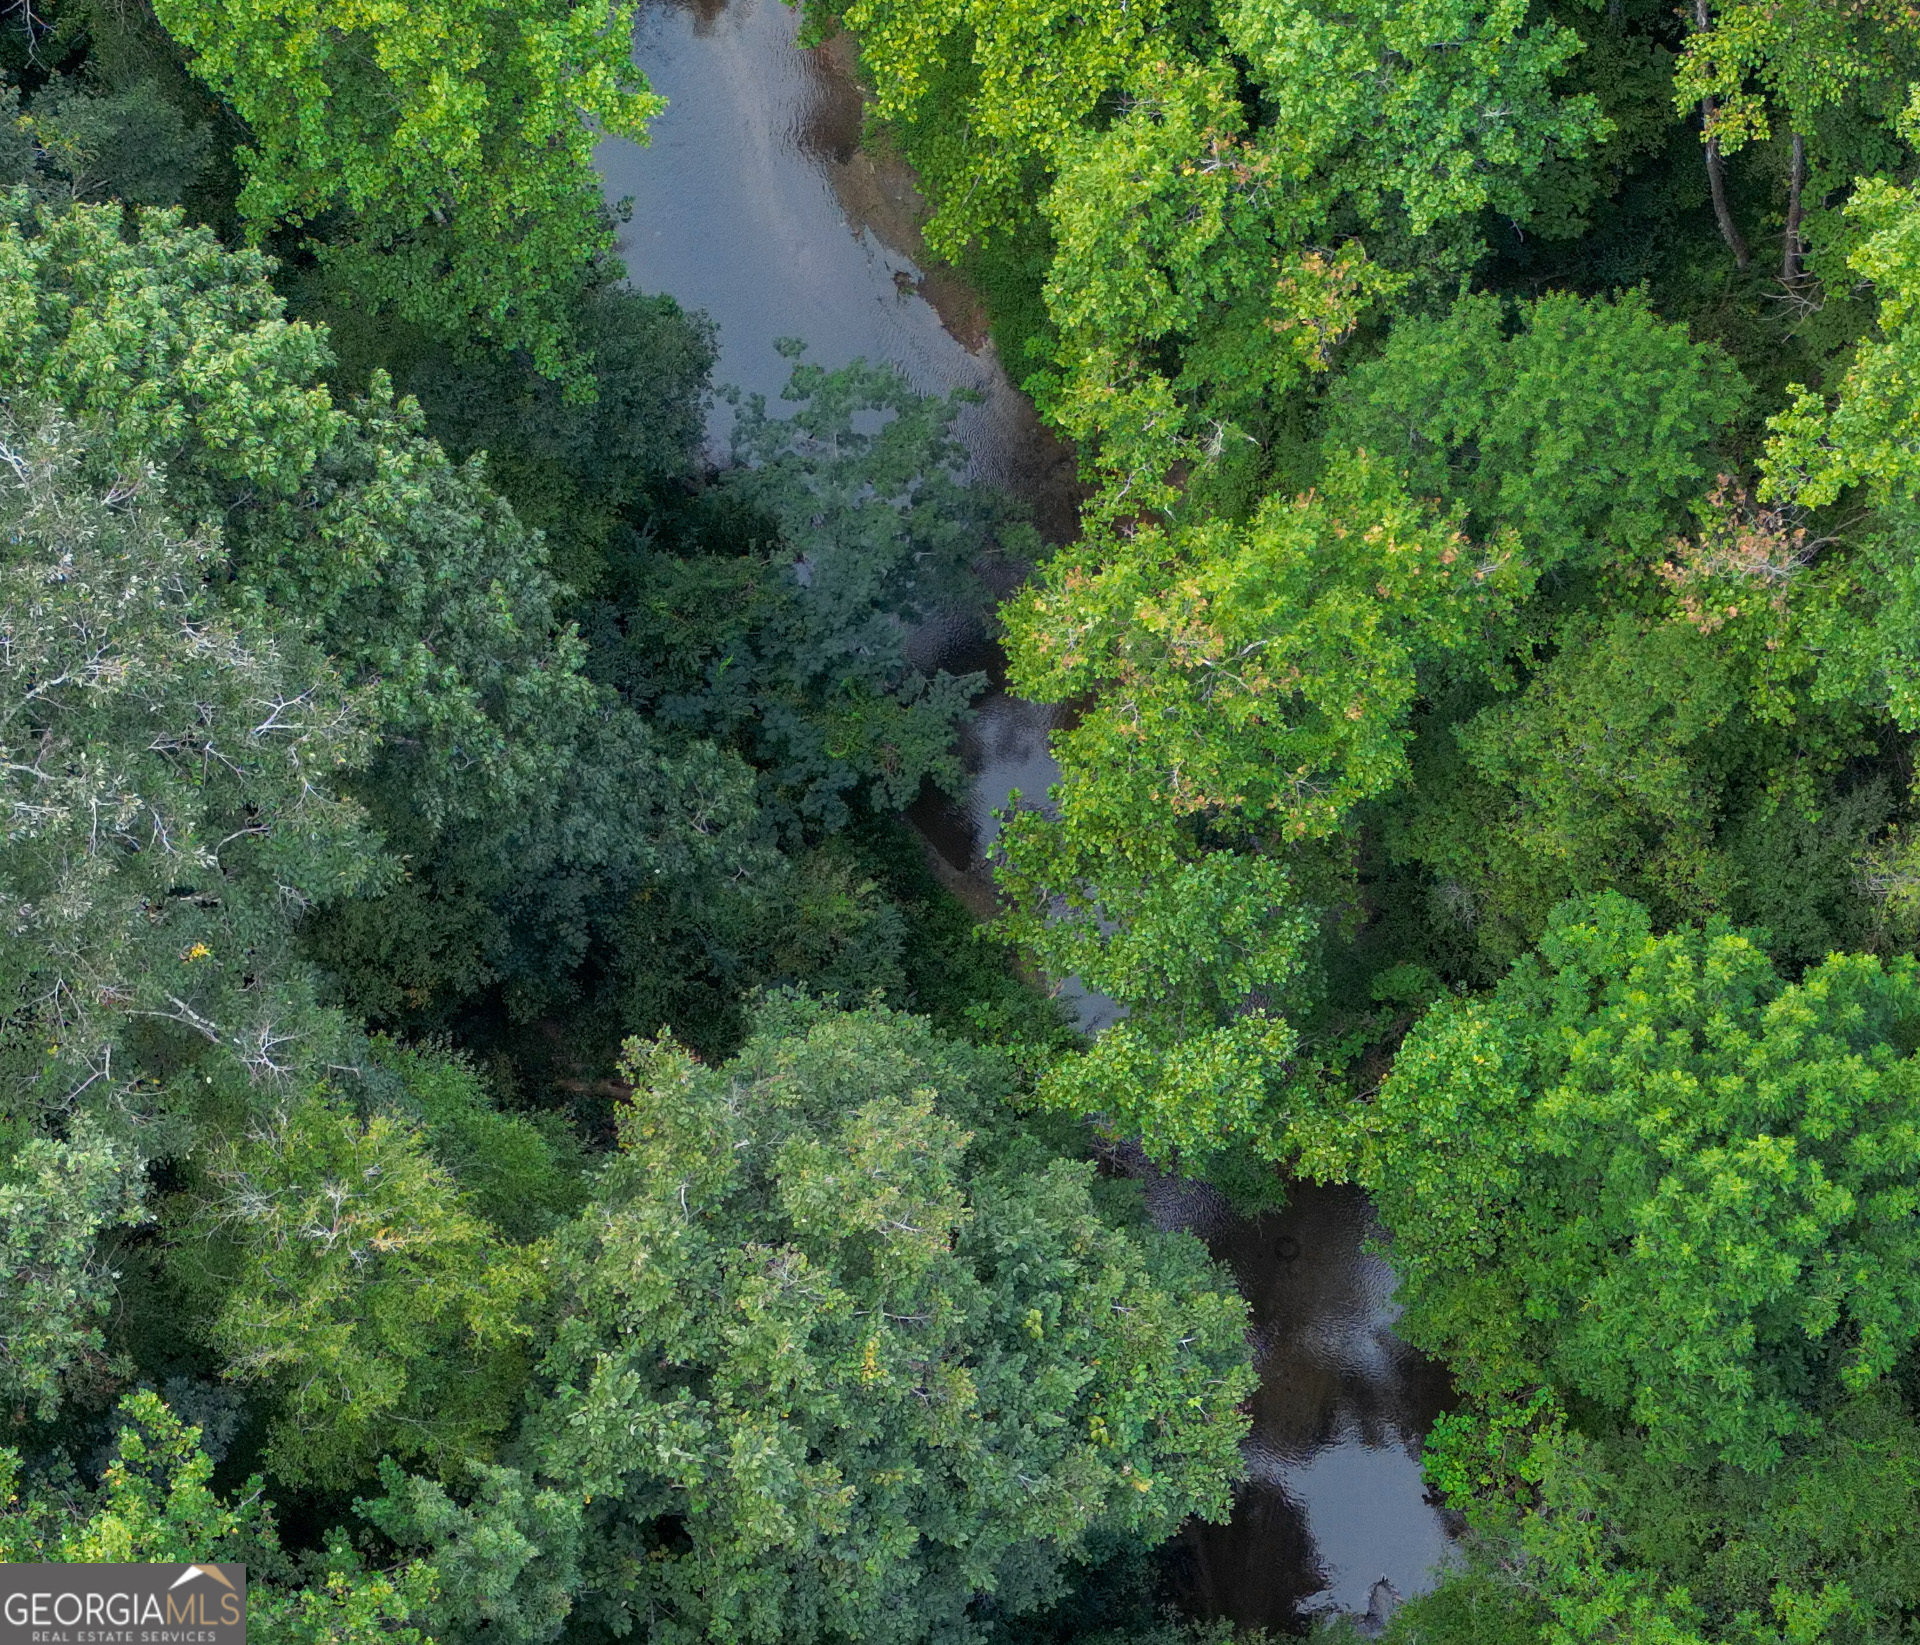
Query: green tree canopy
x,y
794,650
81,142
1251,686
1432,110
165,349
1813,69
155,1504
61,1199
843,1355
582,473
1026,79
528,805
337,1263
1650,1172
456,136
1201,174
1866,433
171,776
1586,426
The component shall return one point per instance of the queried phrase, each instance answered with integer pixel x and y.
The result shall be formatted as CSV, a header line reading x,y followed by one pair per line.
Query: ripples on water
x,y
755,203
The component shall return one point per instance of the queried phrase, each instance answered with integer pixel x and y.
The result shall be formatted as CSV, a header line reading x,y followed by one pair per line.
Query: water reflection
x,y
756,203
1005,751
1334,1511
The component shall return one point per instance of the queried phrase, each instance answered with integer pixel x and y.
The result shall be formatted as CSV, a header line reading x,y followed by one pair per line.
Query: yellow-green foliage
x,y
155,1505
342,1268
1650,1172
457,134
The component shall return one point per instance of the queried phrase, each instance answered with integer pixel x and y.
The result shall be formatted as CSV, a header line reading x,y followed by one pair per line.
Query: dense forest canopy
x,y
502,1129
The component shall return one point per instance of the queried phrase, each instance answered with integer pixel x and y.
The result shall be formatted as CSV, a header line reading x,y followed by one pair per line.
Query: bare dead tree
x,y
34,25
1796,187
1716,165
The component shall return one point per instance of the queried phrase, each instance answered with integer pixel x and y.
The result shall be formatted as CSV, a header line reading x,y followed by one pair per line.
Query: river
x,y
755,202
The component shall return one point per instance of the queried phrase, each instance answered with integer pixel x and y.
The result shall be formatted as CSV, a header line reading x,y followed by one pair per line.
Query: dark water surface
x,y
755,203
1334,1503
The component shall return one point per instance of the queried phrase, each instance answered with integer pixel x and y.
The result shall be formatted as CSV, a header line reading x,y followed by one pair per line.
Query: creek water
x,y
755,202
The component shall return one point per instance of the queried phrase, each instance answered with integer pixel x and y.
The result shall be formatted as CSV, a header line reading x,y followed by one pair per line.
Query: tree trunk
x,y
1796,185
1716,167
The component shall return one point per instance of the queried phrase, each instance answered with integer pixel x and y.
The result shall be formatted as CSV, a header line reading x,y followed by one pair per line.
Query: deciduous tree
x,y
844,1356
455,136
1653,1174
340,1266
